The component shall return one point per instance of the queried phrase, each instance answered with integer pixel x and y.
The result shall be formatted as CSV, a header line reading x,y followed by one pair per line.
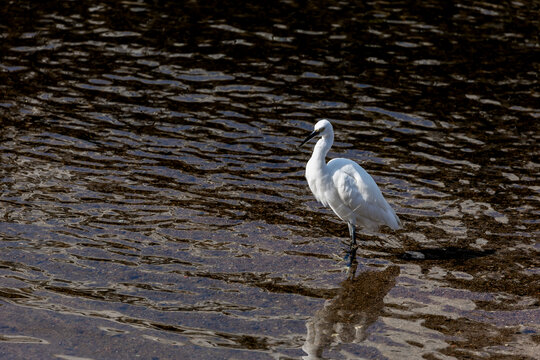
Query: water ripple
x,y
152,191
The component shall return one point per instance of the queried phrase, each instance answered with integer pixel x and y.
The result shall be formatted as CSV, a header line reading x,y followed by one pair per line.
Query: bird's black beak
x,y
309,137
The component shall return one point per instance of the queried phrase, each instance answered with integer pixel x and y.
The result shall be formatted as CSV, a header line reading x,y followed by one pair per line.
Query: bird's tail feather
x,y
392,220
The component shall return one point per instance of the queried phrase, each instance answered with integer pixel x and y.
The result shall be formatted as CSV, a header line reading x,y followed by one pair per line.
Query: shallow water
x,y
153,203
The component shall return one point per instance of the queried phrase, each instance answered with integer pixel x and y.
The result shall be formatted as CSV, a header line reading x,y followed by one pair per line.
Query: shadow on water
x,y
346,317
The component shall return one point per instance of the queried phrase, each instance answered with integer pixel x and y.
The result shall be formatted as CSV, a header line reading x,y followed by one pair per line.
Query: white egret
x,y
346,188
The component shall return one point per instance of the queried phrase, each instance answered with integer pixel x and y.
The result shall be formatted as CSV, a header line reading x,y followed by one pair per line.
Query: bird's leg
x,y
351,254
352,232
352,270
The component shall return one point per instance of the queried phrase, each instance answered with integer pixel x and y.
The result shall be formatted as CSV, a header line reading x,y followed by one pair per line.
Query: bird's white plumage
x,y
346,187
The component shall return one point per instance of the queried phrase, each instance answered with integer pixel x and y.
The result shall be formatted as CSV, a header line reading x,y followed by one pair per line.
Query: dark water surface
x,y
153,204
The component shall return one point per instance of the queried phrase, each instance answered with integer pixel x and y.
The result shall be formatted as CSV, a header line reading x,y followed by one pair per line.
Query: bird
x,y
346,188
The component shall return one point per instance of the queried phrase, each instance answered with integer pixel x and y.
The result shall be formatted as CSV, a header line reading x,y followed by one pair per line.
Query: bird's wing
x,y
361,196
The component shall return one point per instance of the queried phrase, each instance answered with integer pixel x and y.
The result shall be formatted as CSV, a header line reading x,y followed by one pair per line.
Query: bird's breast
x,y
320,183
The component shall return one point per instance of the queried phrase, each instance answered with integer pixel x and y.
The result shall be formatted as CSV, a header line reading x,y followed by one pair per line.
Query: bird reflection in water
x,y
347,317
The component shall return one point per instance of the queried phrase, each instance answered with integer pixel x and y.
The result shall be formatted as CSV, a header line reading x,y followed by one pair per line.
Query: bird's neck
x,y
321,150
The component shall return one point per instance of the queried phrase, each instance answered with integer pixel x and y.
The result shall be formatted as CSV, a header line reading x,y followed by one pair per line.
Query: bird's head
x,y
322,127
